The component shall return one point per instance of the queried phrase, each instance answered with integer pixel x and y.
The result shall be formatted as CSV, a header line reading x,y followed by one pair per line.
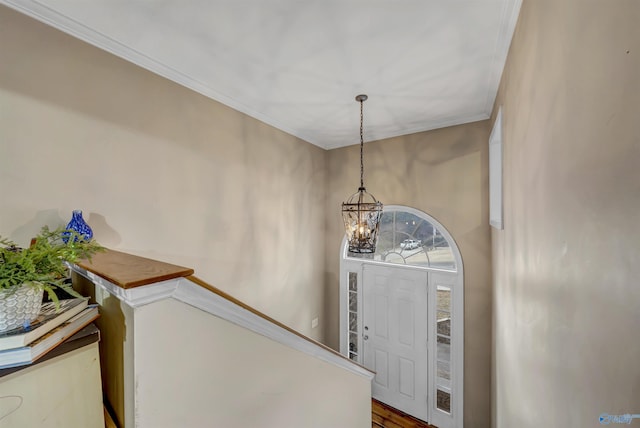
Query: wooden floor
x,y
388,417
108,421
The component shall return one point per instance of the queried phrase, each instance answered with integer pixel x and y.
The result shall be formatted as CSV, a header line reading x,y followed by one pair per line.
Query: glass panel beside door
x,y
353,316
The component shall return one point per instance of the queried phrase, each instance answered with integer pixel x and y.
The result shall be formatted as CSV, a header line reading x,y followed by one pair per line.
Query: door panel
x,y
381,367
407,378
406,322
395,331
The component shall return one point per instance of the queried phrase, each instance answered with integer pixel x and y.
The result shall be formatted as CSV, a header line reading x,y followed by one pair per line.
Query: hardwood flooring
x,y
108,421
383,416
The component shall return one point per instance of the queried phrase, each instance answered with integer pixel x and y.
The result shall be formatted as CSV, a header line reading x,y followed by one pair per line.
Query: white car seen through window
x,y
409,244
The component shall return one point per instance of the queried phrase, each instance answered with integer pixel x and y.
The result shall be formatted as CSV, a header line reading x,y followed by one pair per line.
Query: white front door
x,y
395,326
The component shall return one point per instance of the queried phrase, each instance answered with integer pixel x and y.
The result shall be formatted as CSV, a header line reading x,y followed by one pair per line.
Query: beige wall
x,y
159,171
566,266
229,379
443,173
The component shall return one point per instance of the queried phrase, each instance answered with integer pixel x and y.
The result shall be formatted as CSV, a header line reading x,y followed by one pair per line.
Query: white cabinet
x,y
63,392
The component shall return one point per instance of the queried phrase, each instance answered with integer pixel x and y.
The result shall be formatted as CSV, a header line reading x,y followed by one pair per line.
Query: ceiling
x,y
298,65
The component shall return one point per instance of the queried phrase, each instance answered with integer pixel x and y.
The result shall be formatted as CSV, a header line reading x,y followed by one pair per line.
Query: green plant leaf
x,y
43,264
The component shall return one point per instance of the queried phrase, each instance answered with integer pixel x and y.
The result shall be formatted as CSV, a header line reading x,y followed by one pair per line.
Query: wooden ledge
x,y
129,271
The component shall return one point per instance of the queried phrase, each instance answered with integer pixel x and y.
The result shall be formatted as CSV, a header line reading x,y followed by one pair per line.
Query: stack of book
x,y
25,345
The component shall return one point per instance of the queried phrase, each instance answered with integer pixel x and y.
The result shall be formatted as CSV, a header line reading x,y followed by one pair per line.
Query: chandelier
x,y
361,213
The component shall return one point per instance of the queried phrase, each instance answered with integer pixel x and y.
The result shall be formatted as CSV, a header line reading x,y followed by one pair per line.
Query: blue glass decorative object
x,y
78,224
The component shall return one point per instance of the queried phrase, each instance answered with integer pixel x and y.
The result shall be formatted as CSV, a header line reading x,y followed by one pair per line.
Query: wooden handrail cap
x,y
129,271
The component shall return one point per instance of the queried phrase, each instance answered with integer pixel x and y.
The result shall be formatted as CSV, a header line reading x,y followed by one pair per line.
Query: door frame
x,y
452,279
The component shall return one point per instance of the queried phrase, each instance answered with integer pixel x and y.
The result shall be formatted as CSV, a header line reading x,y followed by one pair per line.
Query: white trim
x,y
509,14
134,297
452,279
495,173
379,262
456,385
430,126
186,291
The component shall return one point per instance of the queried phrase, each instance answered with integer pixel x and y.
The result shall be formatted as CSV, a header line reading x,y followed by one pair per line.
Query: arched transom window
x,y
408,238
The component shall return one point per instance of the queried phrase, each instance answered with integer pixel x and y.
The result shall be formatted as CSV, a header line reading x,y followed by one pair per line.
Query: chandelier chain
x,y
361,145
